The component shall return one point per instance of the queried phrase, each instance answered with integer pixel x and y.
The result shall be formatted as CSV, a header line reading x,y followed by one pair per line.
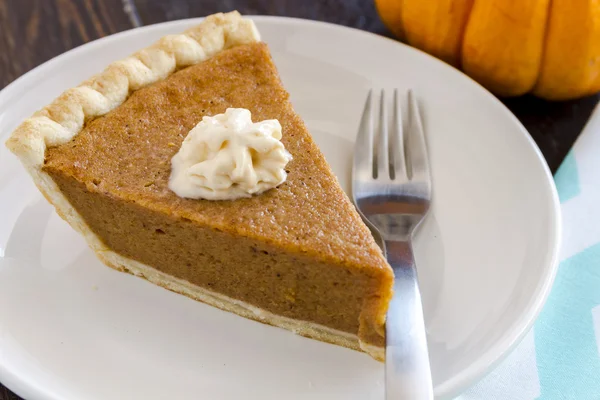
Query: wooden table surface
x,y
34,31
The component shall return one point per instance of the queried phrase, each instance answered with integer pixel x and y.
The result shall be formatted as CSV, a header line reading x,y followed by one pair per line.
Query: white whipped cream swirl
x,y
227,157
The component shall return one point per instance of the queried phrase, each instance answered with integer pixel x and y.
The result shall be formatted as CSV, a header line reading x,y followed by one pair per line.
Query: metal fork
x,y
392,190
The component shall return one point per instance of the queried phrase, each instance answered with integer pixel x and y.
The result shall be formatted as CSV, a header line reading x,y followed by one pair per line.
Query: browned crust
x,y
64,118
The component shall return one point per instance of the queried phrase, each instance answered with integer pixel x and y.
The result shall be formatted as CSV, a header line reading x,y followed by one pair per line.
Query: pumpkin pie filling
x,y
296,256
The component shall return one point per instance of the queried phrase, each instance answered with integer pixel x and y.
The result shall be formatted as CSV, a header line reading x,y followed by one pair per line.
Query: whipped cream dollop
x,y
227,156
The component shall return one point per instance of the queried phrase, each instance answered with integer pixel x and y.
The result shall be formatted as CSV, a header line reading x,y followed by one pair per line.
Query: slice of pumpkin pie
x,y
186,165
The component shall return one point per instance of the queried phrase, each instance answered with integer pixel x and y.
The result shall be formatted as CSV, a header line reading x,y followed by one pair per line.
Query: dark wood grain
x,y
355,13
6,394
33,31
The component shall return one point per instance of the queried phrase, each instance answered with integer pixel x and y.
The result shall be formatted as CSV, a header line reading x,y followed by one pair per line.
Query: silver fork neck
x,y
407,369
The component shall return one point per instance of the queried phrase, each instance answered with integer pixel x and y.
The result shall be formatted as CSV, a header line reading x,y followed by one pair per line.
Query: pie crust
x,y
65,117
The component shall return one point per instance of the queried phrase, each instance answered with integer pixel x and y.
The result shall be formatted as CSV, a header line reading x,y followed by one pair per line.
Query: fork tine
x,y
417,154
383,163
363,148
398,158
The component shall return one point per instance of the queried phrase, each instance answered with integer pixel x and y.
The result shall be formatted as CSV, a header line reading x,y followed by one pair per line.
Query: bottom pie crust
x,y
303,328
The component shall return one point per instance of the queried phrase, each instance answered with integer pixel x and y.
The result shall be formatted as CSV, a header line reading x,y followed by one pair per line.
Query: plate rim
x,y
463,379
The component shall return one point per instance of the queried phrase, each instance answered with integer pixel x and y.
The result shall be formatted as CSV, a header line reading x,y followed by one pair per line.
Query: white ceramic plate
x,y
71,328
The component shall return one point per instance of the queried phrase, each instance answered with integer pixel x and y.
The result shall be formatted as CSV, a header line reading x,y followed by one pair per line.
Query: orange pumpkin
x,y
550,48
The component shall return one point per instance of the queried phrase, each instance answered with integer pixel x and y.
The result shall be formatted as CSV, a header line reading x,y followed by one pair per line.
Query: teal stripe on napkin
x,y
567,178
567,353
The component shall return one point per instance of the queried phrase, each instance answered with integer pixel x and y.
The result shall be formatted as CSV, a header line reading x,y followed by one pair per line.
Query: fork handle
x,y
407,369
